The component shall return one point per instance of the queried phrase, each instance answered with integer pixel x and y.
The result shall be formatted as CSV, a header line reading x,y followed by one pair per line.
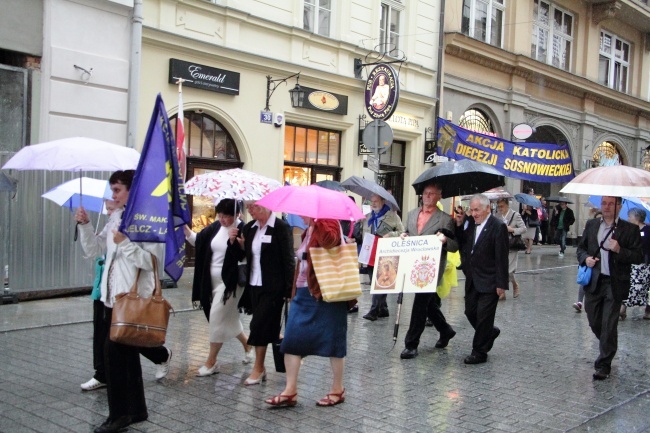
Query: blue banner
x,y
157,207
539,162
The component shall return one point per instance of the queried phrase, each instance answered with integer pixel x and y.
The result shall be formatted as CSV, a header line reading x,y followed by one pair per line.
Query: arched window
x,y
607,153
477,121
205,137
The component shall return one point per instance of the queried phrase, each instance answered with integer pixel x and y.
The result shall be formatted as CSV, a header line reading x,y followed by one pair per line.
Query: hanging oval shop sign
x,y
382,92
522,131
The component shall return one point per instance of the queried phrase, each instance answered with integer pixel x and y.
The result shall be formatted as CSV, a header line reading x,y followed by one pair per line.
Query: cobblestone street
x,y
537,378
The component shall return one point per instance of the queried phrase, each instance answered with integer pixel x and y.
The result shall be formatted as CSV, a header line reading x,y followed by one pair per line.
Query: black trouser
x,y
425,305
124,373
480,309
602,312
99,341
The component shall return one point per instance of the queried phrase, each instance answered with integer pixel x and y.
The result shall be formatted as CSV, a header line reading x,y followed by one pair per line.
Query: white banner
x,y
411,264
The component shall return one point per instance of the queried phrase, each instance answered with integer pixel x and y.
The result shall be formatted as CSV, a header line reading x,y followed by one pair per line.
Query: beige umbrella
x,y
492,194
614,180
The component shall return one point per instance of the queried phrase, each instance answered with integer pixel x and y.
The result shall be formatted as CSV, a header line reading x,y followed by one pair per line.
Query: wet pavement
x,y
537,378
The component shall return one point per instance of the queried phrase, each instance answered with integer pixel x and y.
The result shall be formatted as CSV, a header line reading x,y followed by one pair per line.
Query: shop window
x,y
605,154
477,121
614,62
483,20
211,148
310,155
205,137
389,27
552,35
317,16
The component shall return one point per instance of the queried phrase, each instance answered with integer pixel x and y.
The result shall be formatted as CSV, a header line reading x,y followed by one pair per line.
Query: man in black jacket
x,y
609,246
484,247
562,219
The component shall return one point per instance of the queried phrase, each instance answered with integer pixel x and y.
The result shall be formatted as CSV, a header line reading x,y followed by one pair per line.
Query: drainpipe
x,y
441,43
134,73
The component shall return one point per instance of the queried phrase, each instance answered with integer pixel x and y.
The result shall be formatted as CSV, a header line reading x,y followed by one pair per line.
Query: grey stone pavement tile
x,y
537,378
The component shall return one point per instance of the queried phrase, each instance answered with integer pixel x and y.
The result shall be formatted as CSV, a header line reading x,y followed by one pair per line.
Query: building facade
x,y
233,54
256,44
578,72
64,68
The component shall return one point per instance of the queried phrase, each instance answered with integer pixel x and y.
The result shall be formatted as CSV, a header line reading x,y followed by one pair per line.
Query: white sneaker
x,y
163,369
248,357
560,255
92,385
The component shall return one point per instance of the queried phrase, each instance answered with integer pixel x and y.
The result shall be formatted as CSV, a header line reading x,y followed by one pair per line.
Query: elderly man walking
x,y
609,246
483,244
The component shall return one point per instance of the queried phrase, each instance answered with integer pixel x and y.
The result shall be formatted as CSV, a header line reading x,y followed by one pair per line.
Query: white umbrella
x,y
69,194
234,183
614,181
492,194
74,154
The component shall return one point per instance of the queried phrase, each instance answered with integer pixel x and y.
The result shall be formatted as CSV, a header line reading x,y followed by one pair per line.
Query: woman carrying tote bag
x,y
314,327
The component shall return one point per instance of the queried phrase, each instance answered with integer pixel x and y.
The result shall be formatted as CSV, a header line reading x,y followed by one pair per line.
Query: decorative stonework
x,y
605,11
580,88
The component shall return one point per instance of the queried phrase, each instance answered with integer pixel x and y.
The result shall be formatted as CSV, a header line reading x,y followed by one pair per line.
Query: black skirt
x,y
267,314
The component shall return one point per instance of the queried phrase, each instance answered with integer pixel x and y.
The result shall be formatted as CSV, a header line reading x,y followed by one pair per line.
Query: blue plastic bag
x,y
584,275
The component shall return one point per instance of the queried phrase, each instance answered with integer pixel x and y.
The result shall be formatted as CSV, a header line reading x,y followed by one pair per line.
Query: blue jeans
x,y
560,238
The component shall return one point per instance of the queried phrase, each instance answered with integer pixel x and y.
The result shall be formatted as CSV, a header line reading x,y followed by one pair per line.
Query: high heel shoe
x,y
282,400
208,371
257,381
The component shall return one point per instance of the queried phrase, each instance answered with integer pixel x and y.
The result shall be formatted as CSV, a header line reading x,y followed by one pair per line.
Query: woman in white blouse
x,y
215,282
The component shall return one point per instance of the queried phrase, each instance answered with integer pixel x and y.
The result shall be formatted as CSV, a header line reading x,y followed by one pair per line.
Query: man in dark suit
x,y
422,221
483,240
618,244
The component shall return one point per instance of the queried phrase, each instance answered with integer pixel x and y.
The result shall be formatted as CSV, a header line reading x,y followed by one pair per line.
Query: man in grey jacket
x,y
422,221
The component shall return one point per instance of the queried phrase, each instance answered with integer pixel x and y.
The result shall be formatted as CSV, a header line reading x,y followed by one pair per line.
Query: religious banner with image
x,y
411,265
539,162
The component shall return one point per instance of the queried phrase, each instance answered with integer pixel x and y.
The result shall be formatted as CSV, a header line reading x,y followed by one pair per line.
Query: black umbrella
x,y
331,184
366,188
460,178
558,199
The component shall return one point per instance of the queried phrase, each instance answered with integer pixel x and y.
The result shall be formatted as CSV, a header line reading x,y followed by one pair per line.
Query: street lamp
x,y
297,94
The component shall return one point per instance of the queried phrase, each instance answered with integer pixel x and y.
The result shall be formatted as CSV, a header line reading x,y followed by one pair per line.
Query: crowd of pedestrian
x,y
253,268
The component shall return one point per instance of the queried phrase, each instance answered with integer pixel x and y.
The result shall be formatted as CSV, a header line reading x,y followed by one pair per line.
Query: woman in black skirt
x,y
268,246
314,327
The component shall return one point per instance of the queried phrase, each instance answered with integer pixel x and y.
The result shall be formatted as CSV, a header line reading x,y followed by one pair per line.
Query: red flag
x,y
180,135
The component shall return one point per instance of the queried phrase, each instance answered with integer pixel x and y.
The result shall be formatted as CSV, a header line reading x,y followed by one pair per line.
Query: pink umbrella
x,y
613,180
312,201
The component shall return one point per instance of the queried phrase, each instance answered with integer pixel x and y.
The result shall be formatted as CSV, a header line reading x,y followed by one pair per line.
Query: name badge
x,y
266,239
642,234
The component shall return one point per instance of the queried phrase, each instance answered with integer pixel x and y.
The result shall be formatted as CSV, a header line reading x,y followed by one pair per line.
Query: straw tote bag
x,y
141,322
337,272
